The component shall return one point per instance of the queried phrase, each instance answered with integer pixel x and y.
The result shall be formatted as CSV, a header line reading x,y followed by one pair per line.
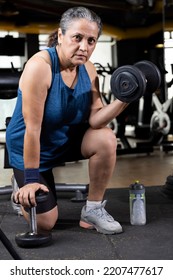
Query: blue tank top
x,y
64,109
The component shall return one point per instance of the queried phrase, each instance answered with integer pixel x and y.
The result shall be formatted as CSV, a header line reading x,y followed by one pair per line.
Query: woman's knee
x,y
47,220
109,139
102,140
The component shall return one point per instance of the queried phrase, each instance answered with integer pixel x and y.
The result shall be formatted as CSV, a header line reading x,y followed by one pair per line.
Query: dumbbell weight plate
x,y
152,74
31,240
128,83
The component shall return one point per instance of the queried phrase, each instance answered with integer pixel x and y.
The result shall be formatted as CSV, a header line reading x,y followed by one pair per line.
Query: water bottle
x,y
137,204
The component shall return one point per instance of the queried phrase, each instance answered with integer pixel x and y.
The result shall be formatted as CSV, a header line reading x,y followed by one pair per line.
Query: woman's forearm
x,y
31,149
102,117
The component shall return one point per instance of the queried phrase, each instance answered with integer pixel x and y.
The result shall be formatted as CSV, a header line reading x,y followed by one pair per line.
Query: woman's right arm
x,y
34,84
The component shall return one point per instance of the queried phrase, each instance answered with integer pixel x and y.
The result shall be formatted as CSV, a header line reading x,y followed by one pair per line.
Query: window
x,y
168,56
7,61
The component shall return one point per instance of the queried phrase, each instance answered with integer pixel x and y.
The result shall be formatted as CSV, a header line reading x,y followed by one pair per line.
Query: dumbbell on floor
x,y
33,238
130,82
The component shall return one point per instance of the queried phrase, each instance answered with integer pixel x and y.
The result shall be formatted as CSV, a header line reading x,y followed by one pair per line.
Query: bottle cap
x,y
136,186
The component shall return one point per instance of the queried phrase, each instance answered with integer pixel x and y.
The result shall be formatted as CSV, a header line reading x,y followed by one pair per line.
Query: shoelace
x,y
102,213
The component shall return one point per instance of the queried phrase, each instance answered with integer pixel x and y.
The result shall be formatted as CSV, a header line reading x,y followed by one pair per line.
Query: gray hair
x,y
79,13
71,15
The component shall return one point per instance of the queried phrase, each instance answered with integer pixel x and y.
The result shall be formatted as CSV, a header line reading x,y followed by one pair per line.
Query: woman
x,y
59,116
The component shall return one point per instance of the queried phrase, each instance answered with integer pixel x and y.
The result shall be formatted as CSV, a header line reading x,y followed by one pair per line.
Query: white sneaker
x,y
16,207
99,219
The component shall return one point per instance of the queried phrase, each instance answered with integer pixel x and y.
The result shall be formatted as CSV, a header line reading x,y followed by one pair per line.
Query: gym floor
x,y
71,242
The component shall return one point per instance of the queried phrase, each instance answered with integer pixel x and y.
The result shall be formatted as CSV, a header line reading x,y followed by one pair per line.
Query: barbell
x,y
130,82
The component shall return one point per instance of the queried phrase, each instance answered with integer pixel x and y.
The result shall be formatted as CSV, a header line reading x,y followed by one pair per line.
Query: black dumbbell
x,y
130,82
33,238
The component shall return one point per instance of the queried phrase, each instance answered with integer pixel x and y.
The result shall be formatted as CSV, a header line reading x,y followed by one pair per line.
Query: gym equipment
x,y
160,120
80,190
118,124
8,245
168,187
160,123
9,79
130,82
33,238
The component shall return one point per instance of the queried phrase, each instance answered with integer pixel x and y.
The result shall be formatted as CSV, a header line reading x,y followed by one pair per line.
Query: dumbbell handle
x,y
40,197
33,220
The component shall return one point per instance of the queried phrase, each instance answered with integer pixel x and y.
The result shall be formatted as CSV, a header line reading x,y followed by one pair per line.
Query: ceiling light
x,y
135,2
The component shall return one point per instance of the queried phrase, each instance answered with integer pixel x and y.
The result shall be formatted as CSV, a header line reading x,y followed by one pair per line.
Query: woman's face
x,y
79,41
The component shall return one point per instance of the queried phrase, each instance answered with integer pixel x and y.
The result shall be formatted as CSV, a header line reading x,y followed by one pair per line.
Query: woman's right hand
x,y
26,195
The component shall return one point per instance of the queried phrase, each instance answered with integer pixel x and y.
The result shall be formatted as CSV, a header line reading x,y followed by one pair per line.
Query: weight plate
x,y
152,74
128,83
31,240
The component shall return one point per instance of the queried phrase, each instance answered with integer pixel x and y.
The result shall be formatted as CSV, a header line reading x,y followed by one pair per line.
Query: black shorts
x,y
72,153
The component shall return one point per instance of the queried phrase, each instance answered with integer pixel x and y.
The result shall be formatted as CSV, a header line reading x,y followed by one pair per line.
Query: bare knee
x,y
99,141
110,141
46,221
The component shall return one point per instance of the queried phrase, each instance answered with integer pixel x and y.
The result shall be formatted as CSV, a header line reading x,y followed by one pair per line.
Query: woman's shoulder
x,y
42,56
38,67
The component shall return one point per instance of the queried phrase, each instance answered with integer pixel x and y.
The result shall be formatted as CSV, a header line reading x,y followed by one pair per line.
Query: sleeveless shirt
x,y
64,109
